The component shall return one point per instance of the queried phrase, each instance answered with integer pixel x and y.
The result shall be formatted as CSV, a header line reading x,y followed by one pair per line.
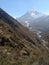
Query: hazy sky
x,y
17,8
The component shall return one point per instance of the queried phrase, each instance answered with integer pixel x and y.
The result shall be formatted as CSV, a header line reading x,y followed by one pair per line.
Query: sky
x,y
17,8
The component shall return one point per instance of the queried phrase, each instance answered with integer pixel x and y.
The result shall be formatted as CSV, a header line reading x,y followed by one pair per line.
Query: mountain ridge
x,y
32,14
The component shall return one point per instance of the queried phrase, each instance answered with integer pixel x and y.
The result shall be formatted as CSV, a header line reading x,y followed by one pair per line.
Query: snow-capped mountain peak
x,y
30,16
32,12
35,13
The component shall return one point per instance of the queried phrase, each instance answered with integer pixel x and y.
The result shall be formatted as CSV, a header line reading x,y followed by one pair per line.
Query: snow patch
x,y
14,17
39,34
32,14
27,23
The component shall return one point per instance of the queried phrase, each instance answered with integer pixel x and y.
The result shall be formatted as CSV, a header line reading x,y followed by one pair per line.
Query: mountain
x,y
36,21
20,46
30,16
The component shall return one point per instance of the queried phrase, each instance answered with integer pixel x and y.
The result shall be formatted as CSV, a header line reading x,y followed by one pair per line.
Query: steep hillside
x,y
19,46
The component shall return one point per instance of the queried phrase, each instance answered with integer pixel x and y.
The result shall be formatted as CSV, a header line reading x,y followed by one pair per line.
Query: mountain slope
x,y
19,46
31,15
36,22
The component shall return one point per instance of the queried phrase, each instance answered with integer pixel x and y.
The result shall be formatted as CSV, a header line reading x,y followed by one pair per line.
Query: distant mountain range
x,y
35,20
19,45
31,15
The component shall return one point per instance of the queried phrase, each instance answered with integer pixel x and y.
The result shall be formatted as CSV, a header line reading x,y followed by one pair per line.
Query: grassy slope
x,y
18,49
